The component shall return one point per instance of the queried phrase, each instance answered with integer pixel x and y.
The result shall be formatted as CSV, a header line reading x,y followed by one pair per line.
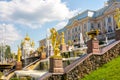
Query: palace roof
x,y
91,13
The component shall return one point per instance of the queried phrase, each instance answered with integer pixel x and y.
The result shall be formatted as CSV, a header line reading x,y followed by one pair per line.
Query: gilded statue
x,y
41,49
53,36
62,38
32,43
93,33
19,55
117,17
55,40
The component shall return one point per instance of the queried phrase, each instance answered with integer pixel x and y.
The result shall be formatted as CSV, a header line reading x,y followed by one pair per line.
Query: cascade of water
x,y
81,40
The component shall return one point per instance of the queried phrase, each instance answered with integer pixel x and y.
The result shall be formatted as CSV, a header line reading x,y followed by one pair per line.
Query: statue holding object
x,y
56,63
55,40
19,62
19,54
117,17
62,38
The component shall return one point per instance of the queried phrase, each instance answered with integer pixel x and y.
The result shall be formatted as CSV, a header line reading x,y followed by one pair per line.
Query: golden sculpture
x,y
117,17
62,38
93,33
53,36
32,44
55,40
27,37
19,55
41,49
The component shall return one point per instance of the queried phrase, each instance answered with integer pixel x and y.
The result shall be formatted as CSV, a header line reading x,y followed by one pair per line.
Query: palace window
x,y
109,20
76,29
76,36
68,32
72,37
85,28
110,29
72,30
99,25
92,26
104,23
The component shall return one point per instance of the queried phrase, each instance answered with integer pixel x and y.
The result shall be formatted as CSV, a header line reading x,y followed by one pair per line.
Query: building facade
x,y
102,19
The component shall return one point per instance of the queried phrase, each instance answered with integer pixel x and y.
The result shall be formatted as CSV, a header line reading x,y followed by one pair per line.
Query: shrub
x,y
15,78
1,74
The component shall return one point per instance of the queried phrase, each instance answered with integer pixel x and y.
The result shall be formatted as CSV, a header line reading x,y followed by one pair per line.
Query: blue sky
x,y
35,17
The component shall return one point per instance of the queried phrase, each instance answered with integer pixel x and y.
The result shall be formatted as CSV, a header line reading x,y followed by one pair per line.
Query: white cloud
x,y
9,33
61,25
34,13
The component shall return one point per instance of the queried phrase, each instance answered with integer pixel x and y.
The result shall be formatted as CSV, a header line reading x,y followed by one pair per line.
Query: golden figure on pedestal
x,y
55,40
93,34
117,17
62,38
41,49
19,55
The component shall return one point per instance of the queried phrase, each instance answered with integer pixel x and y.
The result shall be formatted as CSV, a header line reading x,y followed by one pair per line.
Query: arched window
x,y
75,29
99,26
85,28
110,29
109,20
72,30
92,26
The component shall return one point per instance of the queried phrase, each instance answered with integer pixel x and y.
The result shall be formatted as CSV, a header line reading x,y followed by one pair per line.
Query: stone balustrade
x,y
84,65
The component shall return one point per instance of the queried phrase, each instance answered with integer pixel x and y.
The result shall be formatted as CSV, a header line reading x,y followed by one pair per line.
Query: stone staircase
x,y
85,64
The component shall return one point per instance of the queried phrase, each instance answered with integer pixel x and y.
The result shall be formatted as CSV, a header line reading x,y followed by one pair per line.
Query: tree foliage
x,y
6,50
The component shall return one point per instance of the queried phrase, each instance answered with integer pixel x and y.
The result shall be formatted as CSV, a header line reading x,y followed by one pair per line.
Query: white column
x,y
88,26
106,21
112,23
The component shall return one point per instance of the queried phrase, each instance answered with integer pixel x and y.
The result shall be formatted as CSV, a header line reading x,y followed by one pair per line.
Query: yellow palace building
x,y
102,19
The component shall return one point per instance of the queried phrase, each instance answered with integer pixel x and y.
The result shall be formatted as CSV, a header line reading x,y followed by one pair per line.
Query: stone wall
x,y
88,65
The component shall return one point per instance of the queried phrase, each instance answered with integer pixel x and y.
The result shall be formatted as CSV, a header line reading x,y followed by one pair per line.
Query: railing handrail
x,y
31,63
9,72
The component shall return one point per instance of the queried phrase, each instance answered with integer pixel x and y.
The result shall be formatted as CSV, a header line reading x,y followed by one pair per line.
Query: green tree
x,y
8,52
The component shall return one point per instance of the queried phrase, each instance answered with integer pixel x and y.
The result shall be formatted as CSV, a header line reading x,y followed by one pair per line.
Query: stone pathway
x,y
33,73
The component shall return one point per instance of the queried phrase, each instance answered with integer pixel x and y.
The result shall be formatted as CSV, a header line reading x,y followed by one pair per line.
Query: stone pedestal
x,y
117,34
93,46
56,65
63,47
18,65
43,55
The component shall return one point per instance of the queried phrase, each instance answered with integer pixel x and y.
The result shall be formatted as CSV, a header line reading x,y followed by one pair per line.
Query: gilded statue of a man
x,y
19,55
55,41
62,38
117,17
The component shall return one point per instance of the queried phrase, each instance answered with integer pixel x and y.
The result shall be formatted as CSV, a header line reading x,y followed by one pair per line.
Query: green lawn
x,y
109,71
